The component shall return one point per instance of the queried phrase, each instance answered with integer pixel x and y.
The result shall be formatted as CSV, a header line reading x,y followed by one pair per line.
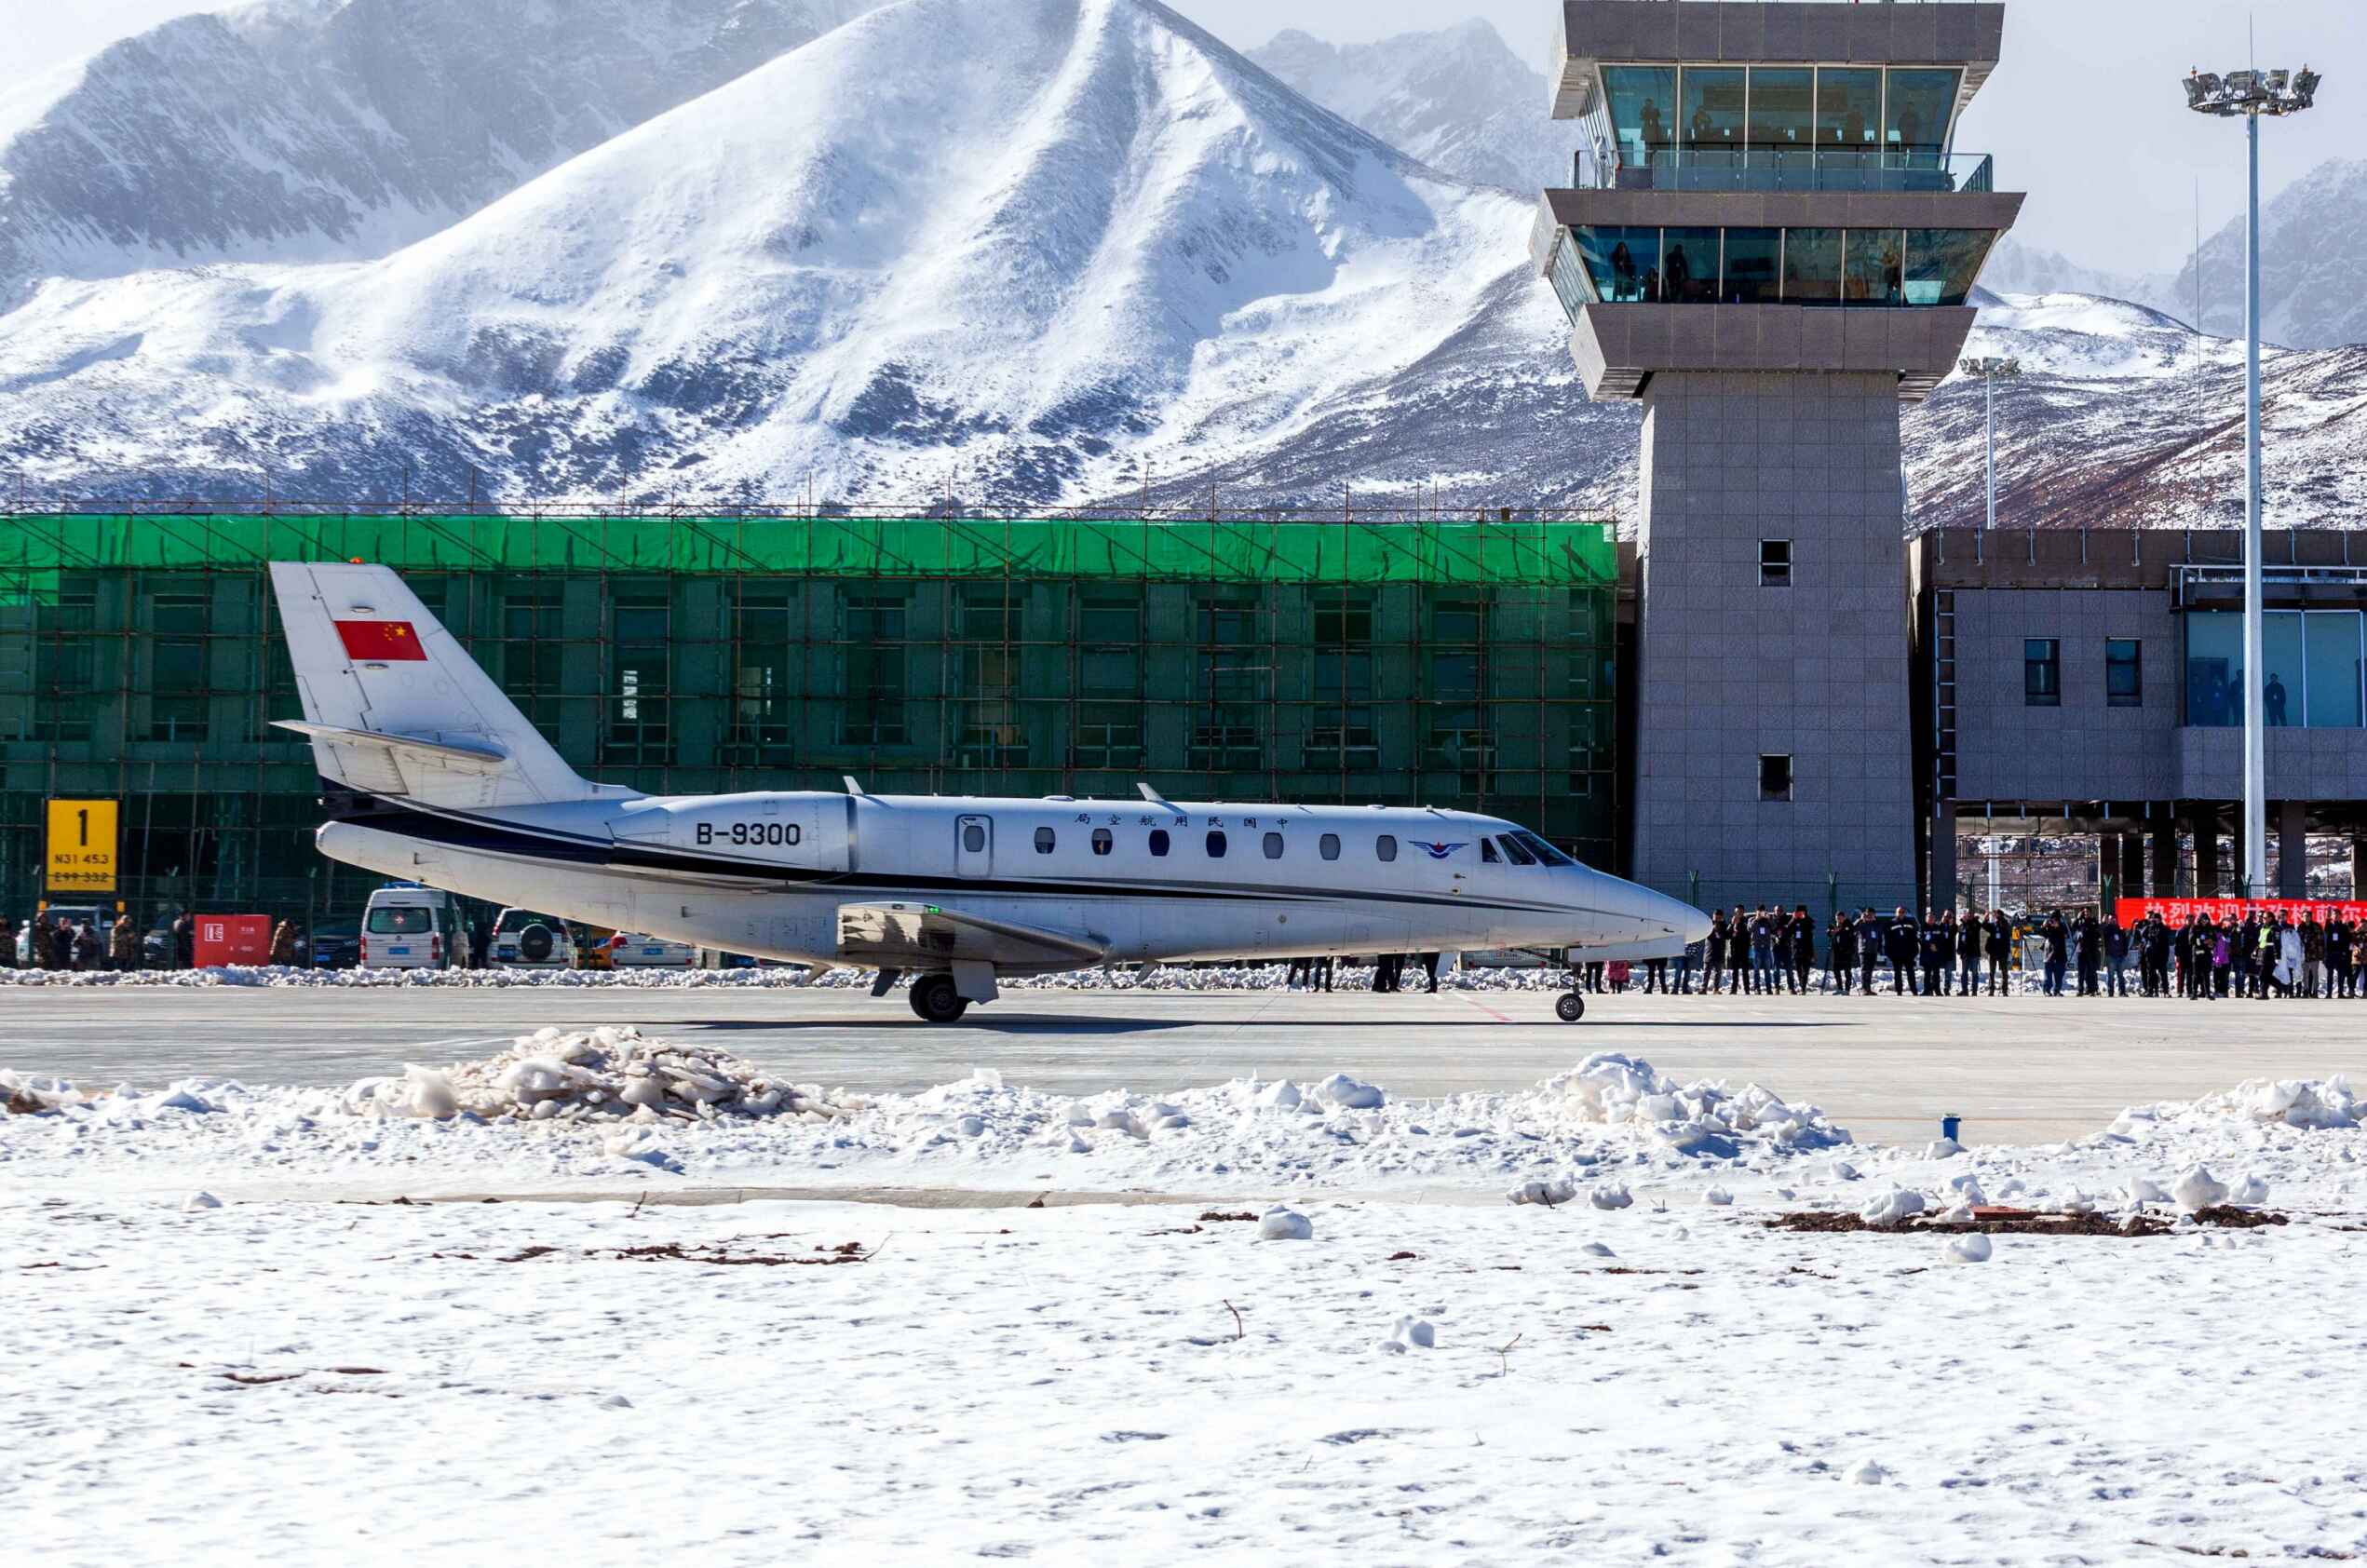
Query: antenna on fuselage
x,y
852,788
1155,797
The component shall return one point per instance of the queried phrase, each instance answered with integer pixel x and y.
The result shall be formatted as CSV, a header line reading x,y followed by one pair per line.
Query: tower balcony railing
x,y
1792,168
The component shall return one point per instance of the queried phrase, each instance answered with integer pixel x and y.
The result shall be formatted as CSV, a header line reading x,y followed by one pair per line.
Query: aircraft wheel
x,y
1569,1007
936,1001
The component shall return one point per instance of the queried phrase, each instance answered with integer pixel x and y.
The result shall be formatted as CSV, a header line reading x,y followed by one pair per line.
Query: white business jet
x,y
434,776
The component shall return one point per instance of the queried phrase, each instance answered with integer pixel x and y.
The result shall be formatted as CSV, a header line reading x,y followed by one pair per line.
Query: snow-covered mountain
x,y
2017,268
1009,253
1459,99
1023,250
316,130
2311,235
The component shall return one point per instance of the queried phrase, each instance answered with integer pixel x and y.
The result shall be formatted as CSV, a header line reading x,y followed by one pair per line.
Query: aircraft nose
x,y
1659,915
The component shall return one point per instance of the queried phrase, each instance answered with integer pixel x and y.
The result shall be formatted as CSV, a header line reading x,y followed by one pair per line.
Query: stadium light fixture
x,y
2252,95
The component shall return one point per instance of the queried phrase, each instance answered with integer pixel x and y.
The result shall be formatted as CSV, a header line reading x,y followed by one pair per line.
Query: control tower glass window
x,y
1643,110
1754,258
1621,262
1920,103
1782,109
1713,109
1849,110
1942,264
1688,266
1869,268
1812,266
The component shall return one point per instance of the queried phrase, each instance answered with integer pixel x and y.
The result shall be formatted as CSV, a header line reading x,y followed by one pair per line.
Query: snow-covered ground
x,y
1545,1326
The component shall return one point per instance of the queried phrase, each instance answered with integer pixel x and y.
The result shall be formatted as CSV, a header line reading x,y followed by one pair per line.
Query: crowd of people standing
x,y
1771,951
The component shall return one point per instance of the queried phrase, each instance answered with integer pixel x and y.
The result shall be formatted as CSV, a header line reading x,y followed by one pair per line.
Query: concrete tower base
x,y
1742,662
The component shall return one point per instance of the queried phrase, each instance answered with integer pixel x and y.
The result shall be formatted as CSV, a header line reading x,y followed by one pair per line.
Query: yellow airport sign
x,y
82,846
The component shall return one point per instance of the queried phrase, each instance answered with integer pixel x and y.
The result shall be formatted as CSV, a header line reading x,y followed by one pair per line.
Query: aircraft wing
x,y
917,935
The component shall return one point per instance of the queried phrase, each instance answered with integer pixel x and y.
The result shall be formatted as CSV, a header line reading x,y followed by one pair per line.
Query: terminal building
x,y
1409,662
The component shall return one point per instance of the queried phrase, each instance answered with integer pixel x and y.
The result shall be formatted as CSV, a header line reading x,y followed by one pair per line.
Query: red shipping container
x,y
233,939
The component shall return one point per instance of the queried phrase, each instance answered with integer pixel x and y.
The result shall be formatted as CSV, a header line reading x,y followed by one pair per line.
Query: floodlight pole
x,y
2252,93
2256,840
1991,381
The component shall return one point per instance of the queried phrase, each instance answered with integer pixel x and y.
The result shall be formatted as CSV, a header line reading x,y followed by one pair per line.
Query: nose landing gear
x,y
1569,1007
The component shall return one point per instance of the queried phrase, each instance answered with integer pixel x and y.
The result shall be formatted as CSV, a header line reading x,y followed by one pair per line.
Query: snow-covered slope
x,y
1022,248
2123,417
1458,99
300,129
2016,268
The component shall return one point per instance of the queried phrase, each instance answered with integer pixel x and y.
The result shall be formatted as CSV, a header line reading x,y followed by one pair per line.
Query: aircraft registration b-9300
x,y
433,775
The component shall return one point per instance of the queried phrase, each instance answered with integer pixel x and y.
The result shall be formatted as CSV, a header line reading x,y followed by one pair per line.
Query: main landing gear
x,y
1569,1007
936,1001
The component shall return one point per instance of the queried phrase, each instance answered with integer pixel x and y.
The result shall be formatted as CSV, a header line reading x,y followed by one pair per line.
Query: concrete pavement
x,y
2018,1069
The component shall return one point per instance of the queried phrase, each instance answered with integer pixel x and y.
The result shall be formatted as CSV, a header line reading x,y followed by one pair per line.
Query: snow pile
x,y
610,1072
2312,1104
1161,978
1611,1090
1281,1223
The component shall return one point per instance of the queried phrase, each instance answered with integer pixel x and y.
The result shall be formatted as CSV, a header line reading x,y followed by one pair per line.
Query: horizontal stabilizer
x,y
407,748
928,935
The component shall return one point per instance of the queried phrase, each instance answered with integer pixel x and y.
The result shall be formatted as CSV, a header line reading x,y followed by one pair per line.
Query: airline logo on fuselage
x,y
1437,851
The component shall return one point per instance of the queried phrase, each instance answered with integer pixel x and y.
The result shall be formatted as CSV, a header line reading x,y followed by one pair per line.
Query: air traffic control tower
x,y
1770,244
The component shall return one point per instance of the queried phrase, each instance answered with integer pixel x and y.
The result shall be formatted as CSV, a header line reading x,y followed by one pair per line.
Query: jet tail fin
x,y
395,706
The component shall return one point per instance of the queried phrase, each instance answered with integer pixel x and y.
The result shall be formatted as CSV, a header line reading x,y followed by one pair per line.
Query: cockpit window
x,y
1543,851
1517,852
1488,856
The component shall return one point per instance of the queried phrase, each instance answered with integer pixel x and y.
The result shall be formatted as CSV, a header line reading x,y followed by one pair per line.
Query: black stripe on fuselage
x,y
490,835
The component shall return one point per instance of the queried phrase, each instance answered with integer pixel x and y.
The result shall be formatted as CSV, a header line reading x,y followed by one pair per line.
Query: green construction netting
x,y
35,547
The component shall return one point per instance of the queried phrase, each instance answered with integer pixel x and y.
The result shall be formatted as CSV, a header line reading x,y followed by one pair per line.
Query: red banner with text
x,y
2180,911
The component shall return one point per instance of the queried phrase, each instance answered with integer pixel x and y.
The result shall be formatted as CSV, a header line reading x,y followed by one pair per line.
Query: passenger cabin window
x,y
973,837
1102,842
1329,846
1216,847
1274,847
1386,847
1487,853
1044,841
1158,841
1517,853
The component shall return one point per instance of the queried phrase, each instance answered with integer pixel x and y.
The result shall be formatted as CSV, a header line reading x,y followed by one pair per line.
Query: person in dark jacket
x,y
89,951
1804,949
1430,969
1898,945
1968,953
122,943
2057,938
61,944
1739,951
1841,952
1870,938
2116,957
2000,940
1935,946
185,941
2337,955
1714,976
1763,951
2090,958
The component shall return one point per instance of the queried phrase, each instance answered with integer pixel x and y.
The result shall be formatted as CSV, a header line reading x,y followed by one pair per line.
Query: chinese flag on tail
x,y
379,640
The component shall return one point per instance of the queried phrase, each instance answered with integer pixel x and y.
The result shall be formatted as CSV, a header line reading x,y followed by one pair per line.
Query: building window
x,y
1775,778
1045,839
1775,564
2124,673
2041,672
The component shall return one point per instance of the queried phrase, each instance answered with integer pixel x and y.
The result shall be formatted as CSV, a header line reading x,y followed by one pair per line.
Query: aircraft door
x,y
974,845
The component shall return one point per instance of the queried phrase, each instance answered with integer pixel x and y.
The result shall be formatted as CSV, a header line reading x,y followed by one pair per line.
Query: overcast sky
x,y
2085,114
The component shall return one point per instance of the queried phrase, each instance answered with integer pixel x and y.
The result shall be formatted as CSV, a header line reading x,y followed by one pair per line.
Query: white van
x,y
524,940
407,927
